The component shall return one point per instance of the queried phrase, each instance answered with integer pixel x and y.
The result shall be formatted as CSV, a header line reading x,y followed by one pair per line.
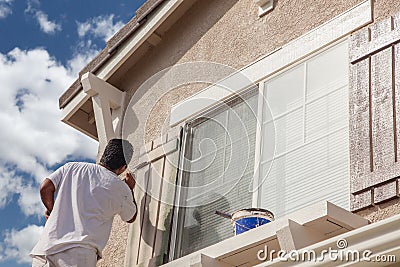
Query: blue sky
x,y
43,45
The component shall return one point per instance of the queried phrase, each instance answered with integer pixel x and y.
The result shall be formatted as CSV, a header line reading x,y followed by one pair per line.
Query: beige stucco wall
x,y
385,8
227,32
114,252
231,33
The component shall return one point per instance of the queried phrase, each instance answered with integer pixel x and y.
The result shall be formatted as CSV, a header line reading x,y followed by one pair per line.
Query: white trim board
x,y
295,50
74,105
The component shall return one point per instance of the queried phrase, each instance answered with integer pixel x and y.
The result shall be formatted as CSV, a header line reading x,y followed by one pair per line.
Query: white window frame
x,y
176,240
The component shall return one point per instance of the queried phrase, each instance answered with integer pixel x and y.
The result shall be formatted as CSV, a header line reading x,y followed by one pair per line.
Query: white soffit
x,y
297,49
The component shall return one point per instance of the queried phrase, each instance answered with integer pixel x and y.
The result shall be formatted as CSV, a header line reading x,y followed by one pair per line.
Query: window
x,y
304,146
220,169
301,147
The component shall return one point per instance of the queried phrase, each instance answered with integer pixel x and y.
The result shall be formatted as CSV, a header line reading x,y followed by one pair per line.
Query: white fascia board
x,y
144,32
74,105
264,67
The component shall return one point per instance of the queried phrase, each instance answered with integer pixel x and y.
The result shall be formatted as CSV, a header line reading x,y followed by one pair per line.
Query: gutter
x,y
371,243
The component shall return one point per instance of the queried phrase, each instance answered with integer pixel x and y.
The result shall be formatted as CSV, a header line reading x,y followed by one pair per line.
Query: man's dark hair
x,y
117,154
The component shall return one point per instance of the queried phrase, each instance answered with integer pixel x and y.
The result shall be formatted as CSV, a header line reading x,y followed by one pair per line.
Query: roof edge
x,y
112,46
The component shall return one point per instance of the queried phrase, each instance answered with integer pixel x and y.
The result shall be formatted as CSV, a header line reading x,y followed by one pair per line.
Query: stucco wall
x,y
385,8
231,33
227,32
114,252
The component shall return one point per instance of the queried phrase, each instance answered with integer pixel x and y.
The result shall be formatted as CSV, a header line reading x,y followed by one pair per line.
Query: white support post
x,y
102,114
107,101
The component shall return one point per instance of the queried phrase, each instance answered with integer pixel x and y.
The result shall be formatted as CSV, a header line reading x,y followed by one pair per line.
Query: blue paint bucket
x,y
247,219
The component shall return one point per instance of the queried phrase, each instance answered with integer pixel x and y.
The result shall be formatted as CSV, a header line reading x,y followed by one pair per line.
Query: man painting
x,y
81,201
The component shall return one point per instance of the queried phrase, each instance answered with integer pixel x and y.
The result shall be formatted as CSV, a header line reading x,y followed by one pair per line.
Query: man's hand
x,y
47,214
130,180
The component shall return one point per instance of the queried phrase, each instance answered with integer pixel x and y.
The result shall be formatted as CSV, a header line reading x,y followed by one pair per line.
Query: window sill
x,y
292,232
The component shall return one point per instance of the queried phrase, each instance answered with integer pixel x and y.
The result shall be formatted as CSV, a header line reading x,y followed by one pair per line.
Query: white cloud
x,y
83,28
10,184
18,244
47,26
85,52
100,27
29,201
32,136
5,8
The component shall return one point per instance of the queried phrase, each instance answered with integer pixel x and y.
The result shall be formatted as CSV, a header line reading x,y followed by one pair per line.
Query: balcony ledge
x,y
319,223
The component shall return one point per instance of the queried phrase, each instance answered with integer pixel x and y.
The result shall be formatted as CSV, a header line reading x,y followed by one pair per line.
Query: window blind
x,y
305,149
221,170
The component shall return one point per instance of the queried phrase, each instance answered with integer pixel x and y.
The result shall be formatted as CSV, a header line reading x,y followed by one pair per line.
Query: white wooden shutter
x,y
149,236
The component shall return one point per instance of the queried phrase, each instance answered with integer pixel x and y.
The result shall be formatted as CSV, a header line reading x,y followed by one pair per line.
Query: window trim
x,y
175,240
259,87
